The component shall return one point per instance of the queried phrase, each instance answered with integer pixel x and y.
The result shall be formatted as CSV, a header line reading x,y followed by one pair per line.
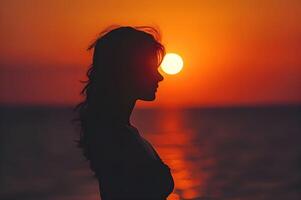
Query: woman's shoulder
x,y
116,138
108,144
108,131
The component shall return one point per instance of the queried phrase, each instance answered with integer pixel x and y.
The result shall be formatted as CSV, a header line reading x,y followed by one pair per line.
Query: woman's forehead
x,y
149,56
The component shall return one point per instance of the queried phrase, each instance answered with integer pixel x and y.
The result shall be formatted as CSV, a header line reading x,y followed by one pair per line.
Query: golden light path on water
x,y
175,145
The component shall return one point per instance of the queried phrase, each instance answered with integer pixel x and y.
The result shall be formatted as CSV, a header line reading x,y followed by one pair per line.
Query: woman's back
x,y
127,166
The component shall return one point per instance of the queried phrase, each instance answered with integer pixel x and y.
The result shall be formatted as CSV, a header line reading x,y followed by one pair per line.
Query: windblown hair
x,y
116,50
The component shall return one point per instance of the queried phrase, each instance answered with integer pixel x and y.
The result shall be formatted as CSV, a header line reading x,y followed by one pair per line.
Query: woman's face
x,y
147,77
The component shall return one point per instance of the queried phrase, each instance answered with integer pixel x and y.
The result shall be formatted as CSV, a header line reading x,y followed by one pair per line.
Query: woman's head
x,y
124,68
125,62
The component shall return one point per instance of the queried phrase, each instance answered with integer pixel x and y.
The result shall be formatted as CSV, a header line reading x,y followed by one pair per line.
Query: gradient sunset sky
x,y
235,52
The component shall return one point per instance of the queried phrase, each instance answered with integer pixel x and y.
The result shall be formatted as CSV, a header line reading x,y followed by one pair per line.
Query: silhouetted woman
x,y
124,69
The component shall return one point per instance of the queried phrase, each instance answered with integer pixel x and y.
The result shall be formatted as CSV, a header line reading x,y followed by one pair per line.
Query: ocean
x,y
237,153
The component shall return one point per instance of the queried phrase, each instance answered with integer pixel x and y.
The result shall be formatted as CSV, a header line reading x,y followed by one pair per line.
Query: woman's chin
x,y
150,97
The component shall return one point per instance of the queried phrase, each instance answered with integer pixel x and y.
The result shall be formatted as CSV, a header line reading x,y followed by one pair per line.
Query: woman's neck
x,y
121,112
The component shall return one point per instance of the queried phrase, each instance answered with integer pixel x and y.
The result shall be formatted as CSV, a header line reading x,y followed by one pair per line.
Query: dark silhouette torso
x,y
128,167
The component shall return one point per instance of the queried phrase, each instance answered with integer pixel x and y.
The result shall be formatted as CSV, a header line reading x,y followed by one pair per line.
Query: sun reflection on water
x,y
177,148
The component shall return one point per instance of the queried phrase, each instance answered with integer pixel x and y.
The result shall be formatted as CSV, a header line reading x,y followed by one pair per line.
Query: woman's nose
x,y
160,77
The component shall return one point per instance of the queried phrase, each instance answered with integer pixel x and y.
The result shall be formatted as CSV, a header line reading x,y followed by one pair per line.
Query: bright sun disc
x,y
172,63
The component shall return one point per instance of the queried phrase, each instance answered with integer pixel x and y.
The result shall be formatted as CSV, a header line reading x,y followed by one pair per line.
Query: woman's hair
x,y
116,51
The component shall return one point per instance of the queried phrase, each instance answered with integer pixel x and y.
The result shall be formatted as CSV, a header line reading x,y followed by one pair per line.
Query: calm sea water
x,y
230,153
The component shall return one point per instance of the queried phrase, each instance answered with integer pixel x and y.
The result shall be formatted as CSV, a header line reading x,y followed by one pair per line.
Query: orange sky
x,y
235,52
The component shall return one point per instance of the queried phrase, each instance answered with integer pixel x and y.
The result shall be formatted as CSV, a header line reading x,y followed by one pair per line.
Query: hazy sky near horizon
x,y
235,52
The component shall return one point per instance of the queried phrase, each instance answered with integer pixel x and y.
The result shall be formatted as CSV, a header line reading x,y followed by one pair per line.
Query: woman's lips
x,y
156,87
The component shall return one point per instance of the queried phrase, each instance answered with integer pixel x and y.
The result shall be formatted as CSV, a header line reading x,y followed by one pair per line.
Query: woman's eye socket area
x,y
148,66
152,73
155,70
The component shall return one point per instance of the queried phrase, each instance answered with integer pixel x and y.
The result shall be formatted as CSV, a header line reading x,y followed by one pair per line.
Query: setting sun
x,y
172,63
